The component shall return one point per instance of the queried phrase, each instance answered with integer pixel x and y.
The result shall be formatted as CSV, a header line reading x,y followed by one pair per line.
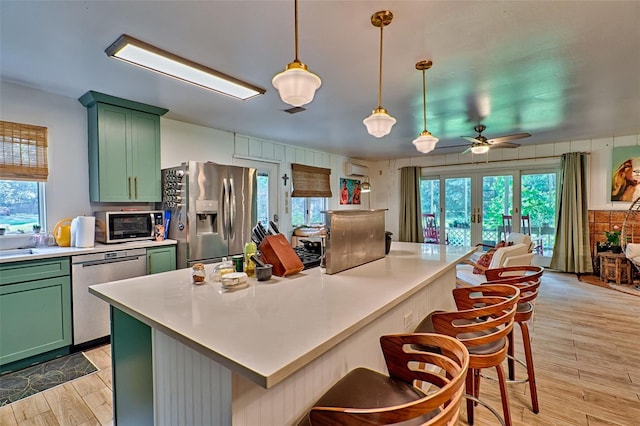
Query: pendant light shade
x,y
379,123
296,84
425,142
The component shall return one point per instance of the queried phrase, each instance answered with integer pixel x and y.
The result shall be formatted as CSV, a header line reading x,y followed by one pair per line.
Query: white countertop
x,y
272,328
55,251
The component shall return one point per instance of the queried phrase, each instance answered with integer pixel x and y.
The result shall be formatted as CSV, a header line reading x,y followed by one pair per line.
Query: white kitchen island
x,y
262,355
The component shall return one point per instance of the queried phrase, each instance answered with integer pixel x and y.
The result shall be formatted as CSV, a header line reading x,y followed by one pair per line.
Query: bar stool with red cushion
x,y
483,322
424,386
527,279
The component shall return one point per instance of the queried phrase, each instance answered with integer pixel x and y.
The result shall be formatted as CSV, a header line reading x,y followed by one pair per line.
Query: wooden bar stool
x,y
424,386
528,280
483,322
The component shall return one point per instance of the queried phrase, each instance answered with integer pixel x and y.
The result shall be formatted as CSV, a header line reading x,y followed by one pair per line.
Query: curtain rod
x,y
498,161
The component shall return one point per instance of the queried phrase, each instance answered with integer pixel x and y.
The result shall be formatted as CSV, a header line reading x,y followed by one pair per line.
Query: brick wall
x,y
604,220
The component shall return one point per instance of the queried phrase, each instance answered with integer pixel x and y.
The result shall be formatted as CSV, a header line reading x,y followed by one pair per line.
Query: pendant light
x,y
379,123
425,142
296,84
366,186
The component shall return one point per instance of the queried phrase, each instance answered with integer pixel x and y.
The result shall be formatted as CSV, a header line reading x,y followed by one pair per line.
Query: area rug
x,y
633,289
31,380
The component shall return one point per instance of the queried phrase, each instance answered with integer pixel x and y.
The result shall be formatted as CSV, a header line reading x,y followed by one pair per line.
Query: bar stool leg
x,y
470,391
511,363
531,375
504,395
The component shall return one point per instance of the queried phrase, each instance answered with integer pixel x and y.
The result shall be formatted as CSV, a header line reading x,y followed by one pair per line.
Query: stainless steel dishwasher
x,y
90,314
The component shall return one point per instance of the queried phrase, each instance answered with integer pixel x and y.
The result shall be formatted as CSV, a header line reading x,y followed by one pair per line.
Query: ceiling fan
x,y
480,144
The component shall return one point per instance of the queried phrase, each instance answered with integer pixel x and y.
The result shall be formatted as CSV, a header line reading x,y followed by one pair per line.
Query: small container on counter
x,y
197,273
250,249
226,267
238,262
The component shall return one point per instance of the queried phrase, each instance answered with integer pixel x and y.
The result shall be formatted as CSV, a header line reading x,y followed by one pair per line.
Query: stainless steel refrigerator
x,y
210,209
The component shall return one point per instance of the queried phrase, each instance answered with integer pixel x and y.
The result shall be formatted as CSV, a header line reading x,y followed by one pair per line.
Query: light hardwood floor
x,y
586,350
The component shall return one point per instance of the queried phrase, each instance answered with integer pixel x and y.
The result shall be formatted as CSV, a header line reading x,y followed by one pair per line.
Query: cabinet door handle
x,y
129,187
135,180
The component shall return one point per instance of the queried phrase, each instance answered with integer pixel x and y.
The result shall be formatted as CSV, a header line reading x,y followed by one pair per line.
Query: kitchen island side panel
x,y
192,389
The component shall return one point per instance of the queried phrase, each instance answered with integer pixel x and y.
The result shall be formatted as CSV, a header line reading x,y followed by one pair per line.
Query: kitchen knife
x,y
258,230
262,229
274,227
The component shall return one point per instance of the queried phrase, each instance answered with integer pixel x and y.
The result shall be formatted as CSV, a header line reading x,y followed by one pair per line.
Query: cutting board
x,y
276,250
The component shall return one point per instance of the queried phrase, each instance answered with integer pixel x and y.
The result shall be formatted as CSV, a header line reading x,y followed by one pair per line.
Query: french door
x,y
471,208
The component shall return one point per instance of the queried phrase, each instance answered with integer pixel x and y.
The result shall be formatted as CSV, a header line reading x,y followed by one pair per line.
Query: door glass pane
x,y
263,198
497,200
457,198
539,203
430,196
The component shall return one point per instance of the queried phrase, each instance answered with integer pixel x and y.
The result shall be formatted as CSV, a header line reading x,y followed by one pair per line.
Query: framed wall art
x,y
625,176
349,191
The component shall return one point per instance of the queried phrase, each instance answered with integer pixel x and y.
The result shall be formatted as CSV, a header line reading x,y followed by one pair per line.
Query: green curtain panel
x,y
410,214
571,251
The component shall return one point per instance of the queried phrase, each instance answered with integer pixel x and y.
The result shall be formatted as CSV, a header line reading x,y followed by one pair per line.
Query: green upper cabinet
x,y
124,149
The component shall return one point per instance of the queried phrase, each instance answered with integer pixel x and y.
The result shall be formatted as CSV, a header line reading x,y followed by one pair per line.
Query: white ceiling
x,y
560,70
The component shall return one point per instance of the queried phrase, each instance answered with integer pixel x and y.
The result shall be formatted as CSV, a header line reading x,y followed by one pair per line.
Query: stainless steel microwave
x,y
123,226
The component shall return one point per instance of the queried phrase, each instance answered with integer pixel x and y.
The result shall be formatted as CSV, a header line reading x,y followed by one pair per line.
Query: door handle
x,y
129,187
135,181
232,208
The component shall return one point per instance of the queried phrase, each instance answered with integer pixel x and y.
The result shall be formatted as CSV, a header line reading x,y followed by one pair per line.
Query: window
x,y
19,206
23,166
307,210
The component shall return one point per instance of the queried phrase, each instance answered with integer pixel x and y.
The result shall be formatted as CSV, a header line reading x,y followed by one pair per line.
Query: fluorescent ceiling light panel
x,y
137,52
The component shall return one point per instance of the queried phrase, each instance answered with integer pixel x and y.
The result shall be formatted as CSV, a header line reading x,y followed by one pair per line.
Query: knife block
x,y
277,251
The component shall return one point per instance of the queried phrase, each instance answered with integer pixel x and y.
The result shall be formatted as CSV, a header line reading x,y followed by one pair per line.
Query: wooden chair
x,y
527,279
424,387
430,229
507,225
483,322
538,248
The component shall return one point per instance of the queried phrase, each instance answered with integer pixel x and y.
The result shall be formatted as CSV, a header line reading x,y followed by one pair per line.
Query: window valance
x,y
23,152
309,181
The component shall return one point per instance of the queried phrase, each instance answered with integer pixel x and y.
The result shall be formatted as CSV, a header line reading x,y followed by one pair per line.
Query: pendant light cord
x,y
380,72
424,101
295,12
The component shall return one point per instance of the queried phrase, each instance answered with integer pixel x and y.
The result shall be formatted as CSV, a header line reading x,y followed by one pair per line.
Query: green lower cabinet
x,y
161,259
132,369
35,317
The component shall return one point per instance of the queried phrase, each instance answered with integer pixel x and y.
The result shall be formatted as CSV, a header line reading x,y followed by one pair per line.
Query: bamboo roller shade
x,y
23,152
309,181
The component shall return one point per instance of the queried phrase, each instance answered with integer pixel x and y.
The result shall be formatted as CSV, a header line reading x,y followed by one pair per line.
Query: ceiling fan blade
x,y
450,146
470,139
507,138
505,145
466,150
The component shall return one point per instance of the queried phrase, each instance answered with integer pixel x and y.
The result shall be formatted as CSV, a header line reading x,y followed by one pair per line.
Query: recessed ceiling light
x,y
136,52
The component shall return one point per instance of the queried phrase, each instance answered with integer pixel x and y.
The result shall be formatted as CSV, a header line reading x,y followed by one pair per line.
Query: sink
x,y
16,252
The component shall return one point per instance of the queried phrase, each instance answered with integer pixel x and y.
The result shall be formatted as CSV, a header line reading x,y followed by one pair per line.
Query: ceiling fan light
x,y
379,123
480,149
426,142
296,85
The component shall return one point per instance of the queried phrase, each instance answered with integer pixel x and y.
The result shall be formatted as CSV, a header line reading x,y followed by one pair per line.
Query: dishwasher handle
x,y
107,261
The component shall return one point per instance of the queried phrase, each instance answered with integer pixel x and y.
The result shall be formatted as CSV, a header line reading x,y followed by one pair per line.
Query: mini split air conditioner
x,y
352,169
